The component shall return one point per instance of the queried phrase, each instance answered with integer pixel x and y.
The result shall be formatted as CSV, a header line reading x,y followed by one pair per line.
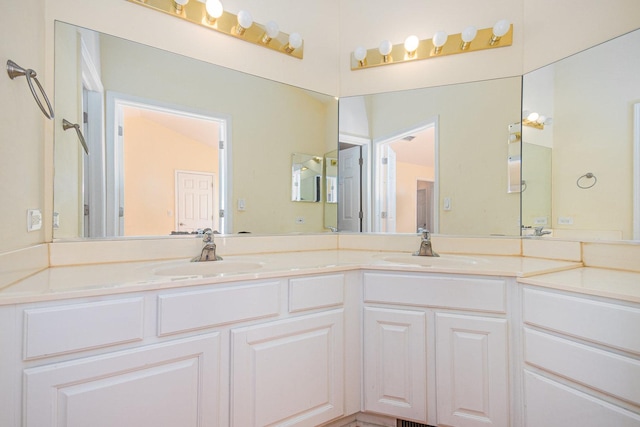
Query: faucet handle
x,y
425,233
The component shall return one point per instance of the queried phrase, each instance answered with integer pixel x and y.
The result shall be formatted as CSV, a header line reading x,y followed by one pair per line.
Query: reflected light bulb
x,y
533,116
500,29
214,10
468,34
439,39
541,119
245,20
411,44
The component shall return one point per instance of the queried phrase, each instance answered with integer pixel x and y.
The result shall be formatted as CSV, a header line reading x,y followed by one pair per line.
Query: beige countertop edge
x,y
70,282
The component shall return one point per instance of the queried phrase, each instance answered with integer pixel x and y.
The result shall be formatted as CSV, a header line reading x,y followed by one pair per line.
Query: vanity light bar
x,y
195,12
454,44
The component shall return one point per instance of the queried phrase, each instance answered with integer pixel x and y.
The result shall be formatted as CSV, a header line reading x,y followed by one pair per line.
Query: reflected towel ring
x,y
66,125
14,70
587,175
523,186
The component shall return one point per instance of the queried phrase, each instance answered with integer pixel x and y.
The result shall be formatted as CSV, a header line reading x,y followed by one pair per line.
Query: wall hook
x,y
66,125
14,70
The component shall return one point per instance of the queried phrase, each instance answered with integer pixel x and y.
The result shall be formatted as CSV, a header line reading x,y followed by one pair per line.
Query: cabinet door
x,y
471,371
288,372
395,368
164,385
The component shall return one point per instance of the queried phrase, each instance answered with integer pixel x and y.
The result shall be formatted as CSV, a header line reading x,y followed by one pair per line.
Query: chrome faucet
x,y
208,252
425,244
540,231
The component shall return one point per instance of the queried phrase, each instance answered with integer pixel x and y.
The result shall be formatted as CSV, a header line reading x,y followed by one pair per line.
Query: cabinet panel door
x,y
165,385
288,372
551,404
395,367
472,371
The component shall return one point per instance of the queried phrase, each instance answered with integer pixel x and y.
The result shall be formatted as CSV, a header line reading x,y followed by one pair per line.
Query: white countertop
x,y
618,284
103,279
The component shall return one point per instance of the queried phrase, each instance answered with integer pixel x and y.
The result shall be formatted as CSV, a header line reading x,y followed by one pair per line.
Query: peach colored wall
x,y
407,176
152,154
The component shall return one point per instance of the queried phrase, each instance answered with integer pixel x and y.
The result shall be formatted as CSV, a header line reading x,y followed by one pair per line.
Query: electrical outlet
x,y
540,220
565,220
56,220
242,205
300,220
34,219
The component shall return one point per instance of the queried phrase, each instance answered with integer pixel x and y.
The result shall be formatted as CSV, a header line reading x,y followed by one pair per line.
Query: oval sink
x,y
208,268
426,261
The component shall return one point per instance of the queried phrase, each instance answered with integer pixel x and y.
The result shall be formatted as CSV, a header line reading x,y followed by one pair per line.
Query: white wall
x,y
22,125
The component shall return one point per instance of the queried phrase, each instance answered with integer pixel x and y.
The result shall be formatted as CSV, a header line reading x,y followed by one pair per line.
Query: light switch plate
x,y
34,219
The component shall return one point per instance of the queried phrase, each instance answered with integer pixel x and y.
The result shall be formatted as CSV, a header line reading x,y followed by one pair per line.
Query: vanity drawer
x,y
307,293
610,373
613,325
446,291
186,311
77,327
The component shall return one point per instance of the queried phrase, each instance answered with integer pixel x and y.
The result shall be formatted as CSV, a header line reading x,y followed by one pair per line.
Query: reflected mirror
x,y
177,144
582,116
306,178
431,157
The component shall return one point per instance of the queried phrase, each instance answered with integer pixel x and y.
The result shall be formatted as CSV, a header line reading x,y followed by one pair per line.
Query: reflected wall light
x,y
211,14
441,44
535,120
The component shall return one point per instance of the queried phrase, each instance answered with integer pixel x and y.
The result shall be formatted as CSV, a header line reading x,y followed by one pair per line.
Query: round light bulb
x,y
245,20
214,8
469,33
548,121
533,116
272,29
181,2
411,44
295,40
541,119
385,47
360,53
501,28
439,38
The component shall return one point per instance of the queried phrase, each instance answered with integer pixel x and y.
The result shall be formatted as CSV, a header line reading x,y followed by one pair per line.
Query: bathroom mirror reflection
x,y
306,177
593,101
432,157
130,185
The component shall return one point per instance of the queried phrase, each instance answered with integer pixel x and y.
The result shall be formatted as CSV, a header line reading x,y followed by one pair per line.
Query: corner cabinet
x,y
436,348
288,372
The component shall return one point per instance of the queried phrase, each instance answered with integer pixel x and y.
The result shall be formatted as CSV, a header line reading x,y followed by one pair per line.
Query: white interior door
x,y
387,202
194,201
349,185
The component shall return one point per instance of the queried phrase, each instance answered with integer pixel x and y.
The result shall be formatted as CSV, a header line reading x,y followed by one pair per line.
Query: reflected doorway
x,y
151,143
405,180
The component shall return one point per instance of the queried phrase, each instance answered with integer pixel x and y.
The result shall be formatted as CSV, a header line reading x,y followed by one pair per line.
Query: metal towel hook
x,y
66,125
587,175
14,70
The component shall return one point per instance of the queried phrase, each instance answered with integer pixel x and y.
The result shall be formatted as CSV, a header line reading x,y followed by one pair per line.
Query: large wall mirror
x,y
176,144
434,158
582,168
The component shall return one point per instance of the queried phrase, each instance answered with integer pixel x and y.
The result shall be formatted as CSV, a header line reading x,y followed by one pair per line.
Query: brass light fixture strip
x,y
195,12
426,49
529,123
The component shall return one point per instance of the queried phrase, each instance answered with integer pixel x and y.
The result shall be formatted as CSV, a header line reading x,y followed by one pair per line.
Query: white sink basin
x,y
208,268
427,261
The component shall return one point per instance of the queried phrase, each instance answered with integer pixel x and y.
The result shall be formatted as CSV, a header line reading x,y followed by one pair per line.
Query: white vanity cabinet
x,y
436,348
244,353
581,360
